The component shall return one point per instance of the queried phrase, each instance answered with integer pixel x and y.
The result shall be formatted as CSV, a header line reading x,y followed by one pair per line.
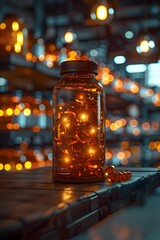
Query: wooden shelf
x,y
32,207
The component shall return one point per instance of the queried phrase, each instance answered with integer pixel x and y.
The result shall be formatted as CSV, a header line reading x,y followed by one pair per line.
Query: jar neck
x,y
79,75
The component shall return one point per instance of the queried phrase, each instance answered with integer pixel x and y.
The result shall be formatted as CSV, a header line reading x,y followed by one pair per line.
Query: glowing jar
x,y
78,124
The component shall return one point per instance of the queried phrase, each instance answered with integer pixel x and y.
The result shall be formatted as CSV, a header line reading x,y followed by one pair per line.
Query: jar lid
x,y
83,66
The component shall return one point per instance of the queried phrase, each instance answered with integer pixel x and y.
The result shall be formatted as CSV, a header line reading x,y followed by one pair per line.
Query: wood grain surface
x,y
33,207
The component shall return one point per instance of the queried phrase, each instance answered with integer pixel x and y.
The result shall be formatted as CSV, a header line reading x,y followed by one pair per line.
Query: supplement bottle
x,y
78,124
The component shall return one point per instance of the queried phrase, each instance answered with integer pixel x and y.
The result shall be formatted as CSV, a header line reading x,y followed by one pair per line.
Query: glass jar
x,y
78,124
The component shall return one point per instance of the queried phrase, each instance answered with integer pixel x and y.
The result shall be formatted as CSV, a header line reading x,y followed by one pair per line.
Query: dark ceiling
x,y
48,19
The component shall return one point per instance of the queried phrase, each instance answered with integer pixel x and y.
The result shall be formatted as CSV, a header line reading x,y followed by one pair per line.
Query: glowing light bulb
x,y
93,131
120,155
7,167
1,112
28,165
26,111
19,166
69,36
108,155
15,26
101,12
8,48
17,47
134,88
9,111
144,45
20,38
91,151
82,116
1,166
16,111
2,26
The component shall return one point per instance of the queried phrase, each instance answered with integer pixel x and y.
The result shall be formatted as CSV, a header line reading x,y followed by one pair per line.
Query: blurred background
x,y
123,37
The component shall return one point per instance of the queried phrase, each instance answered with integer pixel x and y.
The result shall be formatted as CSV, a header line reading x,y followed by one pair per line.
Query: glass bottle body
x,y
78,129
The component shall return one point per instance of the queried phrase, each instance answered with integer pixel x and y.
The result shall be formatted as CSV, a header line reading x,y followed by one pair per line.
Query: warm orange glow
x,y
15,26
17,47
144,46
157,103
7,167
72,54
136,131
27,112
15,126
49,113
125,144
34,58
41,57
134,88
157,100
123,121
19,166
8,48
113,127
151,145
1,166
118,123
127,154
2,26
9,111
9,126
28,165
15,99
93,131
157,96
105,69
108,155
81,97
135,149
120,155
68,37
101,12
67,158
84,117
108,122
158,148
1,112
36,129
29,56
91,151
51,57
119,85
146,126
105,80
35,111
50,64
133,123
20,38
124,161
149,92
16,111
111,77
52,47
65,120
24,145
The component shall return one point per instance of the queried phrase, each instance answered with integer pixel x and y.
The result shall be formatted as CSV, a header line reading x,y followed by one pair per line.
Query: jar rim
x,y
82,66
